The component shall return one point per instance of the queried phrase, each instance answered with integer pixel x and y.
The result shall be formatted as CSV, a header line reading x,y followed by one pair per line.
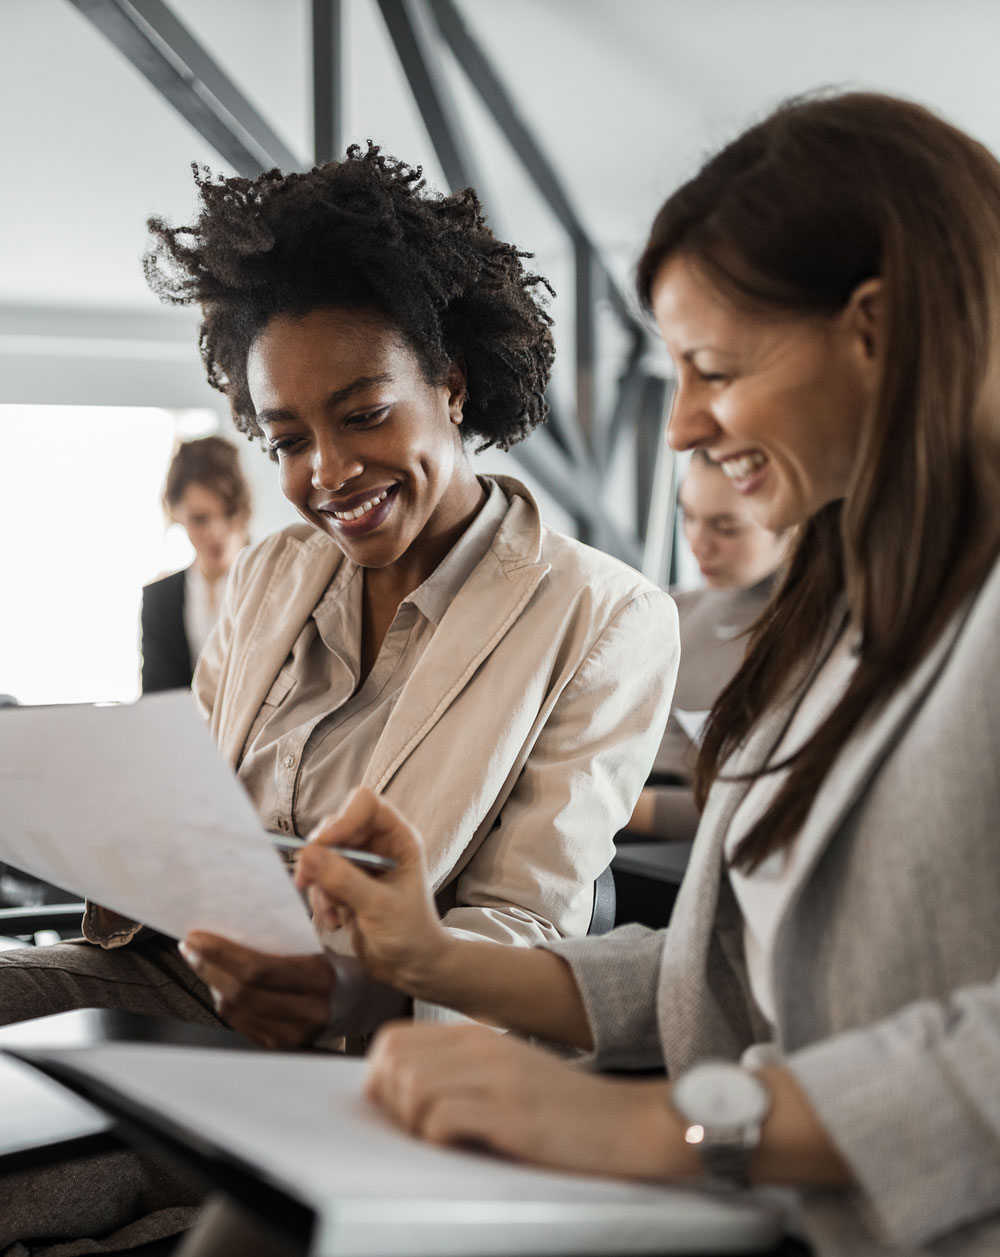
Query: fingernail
x,y
189,953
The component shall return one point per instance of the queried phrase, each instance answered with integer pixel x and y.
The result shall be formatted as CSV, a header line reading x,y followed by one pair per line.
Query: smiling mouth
x,y
363,509
743,466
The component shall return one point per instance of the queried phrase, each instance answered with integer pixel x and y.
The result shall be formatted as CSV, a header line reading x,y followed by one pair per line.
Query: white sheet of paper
x,y
304,1122
692,722
134,808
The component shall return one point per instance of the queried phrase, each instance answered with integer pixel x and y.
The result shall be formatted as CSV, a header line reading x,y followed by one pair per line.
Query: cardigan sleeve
x,y
914,1099
617,975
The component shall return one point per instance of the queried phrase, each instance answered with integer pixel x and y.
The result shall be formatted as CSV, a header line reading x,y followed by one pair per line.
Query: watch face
x,y
719,1094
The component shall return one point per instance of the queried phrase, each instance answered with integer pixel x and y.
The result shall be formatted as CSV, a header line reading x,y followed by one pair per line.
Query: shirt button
x,y
289,761
284,824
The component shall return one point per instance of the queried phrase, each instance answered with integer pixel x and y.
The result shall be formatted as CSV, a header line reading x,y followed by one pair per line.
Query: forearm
x,y
520,988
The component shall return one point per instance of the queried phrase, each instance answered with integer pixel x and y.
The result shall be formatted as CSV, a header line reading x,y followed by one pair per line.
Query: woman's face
x,y
778,403
216,532
732,549
368,451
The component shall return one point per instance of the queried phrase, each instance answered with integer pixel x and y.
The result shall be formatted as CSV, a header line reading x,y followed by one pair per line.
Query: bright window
x,y
83,530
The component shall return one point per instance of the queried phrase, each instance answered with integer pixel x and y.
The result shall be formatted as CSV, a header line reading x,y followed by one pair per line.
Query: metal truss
x,y
571,456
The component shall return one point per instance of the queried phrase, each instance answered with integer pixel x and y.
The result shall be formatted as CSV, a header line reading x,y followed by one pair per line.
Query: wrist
x,y
652,1140
427,977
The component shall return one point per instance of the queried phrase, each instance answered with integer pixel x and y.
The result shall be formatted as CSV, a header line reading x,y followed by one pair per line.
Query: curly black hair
x,y
363,233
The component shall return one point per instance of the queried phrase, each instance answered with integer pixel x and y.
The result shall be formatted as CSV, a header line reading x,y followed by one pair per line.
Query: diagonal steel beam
x,y
415,39
164,50
416,45
481,74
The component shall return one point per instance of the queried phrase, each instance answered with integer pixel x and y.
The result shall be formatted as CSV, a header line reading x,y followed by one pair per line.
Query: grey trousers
x,y
117,1200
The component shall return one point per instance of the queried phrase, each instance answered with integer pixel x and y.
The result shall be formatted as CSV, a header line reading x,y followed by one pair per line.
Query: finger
x,y
326,911
339,880
369,820
209,954
409,1067
466,1120
304,1015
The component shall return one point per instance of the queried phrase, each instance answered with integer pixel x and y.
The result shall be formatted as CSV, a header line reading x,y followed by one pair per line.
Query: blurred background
x,y
574,118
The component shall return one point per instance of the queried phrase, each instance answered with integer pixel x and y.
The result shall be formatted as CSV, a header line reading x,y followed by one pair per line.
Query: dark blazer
x,y
166,657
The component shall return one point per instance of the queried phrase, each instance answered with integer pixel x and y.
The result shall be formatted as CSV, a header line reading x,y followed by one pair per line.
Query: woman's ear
x,y
865,320
457,391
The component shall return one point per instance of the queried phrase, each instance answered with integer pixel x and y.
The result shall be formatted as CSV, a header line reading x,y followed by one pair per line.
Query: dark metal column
x,y
328,79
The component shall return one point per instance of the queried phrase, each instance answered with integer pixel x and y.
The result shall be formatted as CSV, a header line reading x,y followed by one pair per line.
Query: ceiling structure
x,y
624,96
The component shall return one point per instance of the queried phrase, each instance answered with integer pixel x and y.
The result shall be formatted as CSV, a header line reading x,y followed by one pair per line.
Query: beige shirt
x,y
315,732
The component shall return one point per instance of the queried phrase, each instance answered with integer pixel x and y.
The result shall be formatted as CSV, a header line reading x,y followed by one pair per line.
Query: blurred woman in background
x,y
207,494
740,561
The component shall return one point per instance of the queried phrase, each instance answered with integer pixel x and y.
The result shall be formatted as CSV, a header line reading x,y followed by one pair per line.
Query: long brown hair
x,y
797,212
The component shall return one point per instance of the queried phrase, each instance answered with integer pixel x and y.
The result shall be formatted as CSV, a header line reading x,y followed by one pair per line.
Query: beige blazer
x,y
519,744
887,964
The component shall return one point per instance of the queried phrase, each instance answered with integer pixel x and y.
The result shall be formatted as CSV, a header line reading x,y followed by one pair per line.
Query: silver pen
x,y
368,858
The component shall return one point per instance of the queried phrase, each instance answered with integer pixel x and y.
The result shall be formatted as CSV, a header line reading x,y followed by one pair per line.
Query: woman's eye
x,y
711,377
368,419
283,445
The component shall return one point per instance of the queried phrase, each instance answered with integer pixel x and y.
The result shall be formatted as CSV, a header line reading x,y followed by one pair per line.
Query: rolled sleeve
x,y
617,975
532,879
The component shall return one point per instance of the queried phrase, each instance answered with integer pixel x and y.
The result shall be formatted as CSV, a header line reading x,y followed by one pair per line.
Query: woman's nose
x,y
691,423
334,466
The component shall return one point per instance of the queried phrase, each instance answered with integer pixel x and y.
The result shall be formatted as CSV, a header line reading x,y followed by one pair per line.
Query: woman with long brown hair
x,y
825,1001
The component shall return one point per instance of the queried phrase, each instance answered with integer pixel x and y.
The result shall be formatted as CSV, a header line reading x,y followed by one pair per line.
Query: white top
x,y
763,894
202,600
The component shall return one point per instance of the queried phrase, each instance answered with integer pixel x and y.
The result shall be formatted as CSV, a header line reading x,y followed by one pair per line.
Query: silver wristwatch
x,y
722,1107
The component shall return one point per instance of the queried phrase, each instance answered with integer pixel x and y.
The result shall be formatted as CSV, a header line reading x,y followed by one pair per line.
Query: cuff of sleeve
x,y
108,929
617,975
360,1005
896,1122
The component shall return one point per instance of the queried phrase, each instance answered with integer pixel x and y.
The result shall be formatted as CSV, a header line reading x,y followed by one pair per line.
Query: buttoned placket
x,y
294,749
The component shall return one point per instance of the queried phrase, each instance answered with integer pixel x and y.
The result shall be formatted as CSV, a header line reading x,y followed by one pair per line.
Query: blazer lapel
x,y
300,575
863,755
702,995
483,611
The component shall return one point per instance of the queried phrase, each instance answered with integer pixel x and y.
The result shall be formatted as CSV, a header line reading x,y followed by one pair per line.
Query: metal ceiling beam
x,y
414,38
568,460
168,55
328,78
484,78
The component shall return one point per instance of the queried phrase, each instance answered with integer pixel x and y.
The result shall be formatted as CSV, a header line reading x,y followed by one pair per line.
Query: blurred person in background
x,y
207,494
740,562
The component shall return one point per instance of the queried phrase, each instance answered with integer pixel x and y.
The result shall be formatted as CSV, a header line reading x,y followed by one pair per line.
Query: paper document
x,y
133,808
302,1121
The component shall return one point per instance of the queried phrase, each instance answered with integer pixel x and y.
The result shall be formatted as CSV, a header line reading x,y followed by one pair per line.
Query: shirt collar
x,y
438,591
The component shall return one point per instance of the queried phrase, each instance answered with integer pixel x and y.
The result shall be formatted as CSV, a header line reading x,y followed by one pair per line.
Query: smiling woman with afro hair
x,y
421,633
363,233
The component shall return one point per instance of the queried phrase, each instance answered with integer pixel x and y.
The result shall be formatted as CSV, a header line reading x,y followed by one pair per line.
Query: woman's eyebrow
x,y
335,398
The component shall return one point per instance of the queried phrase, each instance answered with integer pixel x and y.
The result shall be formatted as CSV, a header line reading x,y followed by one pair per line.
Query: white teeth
x,y
363,509
740,468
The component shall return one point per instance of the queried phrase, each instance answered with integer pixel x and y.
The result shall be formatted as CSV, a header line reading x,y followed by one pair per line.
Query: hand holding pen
x,y
393,922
